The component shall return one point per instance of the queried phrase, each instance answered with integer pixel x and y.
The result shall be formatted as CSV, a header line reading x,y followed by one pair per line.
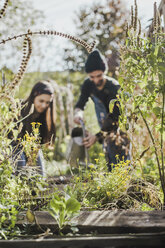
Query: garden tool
x,y
84,135
77,154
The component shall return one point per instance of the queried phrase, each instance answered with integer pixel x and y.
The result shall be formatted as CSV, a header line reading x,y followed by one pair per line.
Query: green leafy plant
x,y
13,187
122,188
8,207
63,209
31,143
142,79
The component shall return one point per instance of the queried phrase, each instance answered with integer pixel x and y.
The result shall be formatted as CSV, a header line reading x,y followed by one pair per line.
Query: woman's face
x,y
41,102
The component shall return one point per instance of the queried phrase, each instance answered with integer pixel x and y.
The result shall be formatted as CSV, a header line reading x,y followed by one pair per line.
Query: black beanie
x,y
95,61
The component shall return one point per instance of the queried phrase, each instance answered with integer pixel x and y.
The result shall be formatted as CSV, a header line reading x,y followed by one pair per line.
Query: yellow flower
x,y
96,159
101,154
39,124
98,187
78,178
108,193
91,166
89,176
36,130
28,138
33,123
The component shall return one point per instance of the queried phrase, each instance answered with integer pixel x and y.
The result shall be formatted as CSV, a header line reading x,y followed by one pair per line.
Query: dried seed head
x,y
75,39
135,17
27,50
132,16
26,56
2,12
126,31
159,21
140,29
155,17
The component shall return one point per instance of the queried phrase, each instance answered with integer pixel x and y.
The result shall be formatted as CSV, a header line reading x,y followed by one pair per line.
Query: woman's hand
x,y
89,140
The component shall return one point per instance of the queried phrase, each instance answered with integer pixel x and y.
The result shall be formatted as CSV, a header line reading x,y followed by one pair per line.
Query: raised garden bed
x,y
110,241
108,222
99,229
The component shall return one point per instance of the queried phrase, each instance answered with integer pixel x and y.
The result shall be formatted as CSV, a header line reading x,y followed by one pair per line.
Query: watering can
x,y
77,153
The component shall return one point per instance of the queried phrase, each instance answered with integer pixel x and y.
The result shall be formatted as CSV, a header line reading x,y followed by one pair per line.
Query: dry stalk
x,y
135,17
2,11
27,50
88,47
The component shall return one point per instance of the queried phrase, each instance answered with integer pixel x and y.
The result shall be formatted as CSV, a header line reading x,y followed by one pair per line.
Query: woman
x,y
39,107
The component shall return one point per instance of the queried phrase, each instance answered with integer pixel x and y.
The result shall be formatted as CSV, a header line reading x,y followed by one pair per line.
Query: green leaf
x,y
1,157
57,206
156,50
72,205
111,105
30,216
62,219
157,110
161,130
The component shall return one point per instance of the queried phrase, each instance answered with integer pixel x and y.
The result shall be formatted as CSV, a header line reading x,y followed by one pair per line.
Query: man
x,y
102,90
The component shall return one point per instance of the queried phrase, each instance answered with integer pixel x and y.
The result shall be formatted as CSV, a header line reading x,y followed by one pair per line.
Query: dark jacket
x,y
105,95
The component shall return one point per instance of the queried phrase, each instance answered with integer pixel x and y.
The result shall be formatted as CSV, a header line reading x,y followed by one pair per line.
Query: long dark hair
x,y
47,118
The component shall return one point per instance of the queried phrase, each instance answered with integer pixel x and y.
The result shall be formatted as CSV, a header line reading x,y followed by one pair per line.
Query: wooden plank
x,y
109,221
129,241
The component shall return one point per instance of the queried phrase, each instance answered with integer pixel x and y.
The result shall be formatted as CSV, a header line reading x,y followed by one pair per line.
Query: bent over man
x,y
101,89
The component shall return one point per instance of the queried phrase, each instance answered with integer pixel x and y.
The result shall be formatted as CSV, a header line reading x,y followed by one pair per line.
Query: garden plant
x,y
142,101
24,185
136,185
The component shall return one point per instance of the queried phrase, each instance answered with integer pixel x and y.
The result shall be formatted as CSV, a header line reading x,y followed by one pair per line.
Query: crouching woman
x,y
38,108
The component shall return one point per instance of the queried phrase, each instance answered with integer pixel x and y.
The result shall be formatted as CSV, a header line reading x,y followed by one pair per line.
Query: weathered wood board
x,y
110,222
112,241
111,229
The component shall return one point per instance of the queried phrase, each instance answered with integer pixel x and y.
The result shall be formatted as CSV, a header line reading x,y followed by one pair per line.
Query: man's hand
x,y
89,140
78,115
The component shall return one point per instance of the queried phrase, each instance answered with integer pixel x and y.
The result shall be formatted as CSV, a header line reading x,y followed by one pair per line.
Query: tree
x,y
103,23
19,16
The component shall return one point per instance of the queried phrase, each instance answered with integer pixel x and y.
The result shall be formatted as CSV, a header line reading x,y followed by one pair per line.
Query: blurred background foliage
x,y
23,16
101,22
